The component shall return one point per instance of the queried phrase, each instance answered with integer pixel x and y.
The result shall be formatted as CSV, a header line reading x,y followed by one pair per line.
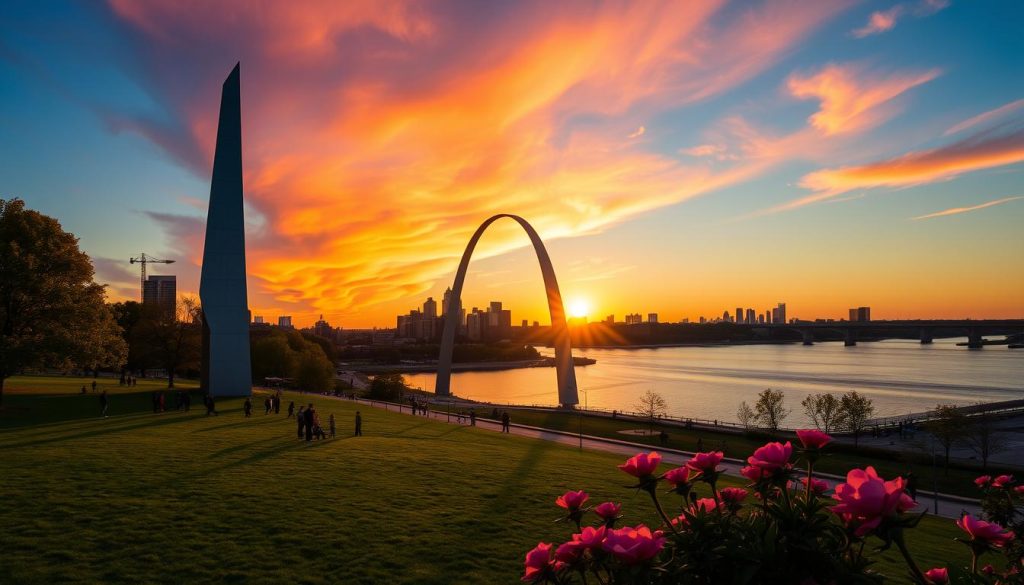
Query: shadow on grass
x,y
24,410
156,421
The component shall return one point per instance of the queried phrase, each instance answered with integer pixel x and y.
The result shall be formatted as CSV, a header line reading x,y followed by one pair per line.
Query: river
x,y
900,376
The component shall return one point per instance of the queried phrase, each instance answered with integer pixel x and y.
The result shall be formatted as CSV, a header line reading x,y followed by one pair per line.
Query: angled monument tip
x,y
233,76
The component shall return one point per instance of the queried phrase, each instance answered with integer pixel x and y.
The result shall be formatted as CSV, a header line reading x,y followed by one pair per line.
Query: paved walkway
x,y
949,506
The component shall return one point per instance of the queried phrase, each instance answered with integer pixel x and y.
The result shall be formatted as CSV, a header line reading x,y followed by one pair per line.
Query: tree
x,y
948,427
313,371
769,410
824,410
52,314
984,437
745,415
271,358
650,406
856,410
388,387
172,341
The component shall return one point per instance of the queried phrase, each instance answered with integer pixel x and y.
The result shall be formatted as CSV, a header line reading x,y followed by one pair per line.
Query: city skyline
x,y
676,159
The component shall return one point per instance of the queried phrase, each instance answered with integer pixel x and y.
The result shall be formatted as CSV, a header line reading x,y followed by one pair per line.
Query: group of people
x,y
126,380
182,400
271,403
309,427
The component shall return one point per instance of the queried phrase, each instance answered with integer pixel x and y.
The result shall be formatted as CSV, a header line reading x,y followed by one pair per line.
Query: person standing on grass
x,y
310,417
359,424
247,407
211,406
300,418
291,409
94,385
330,421
472,417
277,402
506,422
104,403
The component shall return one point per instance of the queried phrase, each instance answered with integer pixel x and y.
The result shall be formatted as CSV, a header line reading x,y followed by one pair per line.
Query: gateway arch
x,y
567,393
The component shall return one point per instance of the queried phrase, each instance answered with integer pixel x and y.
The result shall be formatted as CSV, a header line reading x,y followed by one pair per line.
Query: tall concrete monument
x,y
225,369
568,395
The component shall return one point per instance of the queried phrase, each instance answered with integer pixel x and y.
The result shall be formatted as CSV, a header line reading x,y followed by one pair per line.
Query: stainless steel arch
x,y
567,392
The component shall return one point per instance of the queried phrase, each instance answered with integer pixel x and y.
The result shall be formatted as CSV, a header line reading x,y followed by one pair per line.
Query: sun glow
x,y
579,308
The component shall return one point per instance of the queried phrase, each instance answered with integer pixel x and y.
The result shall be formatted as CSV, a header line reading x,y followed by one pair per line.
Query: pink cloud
x,y
959,210
986,117
881,21
853,99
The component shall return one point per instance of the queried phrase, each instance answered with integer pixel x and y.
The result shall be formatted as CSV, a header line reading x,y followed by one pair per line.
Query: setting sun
x,y
579,308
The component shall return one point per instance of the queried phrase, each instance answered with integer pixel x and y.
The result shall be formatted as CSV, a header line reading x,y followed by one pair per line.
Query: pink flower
x,y
1019,489
754,473
813,439
1002,481
866,499
982,481
572,500
569,552
591,537
986,532
706,505
642,465
634,545
733,495
818,486
608,510
988,569
772,456
679,476
706,462
937,576
538,561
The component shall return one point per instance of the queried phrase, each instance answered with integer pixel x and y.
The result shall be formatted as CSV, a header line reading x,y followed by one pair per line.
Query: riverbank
x,y
430,367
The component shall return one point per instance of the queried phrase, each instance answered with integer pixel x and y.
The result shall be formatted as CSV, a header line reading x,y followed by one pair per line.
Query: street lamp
x,y
585,404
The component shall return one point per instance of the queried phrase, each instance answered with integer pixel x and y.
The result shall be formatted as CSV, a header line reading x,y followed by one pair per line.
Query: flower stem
x,y
810,476
906,556
661,512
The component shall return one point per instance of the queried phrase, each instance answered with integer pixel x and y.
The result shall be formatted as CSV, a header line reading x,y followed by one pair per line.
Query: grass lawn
x,y
184,498
958,481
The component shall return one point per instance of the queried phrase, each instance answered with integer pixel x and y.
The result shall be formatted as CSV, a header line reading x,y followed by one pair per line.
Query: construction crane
x,y
143,260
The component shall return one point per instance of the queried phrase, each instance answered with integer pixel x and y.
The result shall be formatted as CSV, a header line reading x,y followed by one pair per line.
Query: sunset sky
x,y
678,157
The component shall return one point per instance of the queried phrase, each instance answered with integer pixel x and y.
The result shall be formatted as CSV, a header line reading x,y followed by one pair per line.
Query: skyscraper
x,y
782,313
430,308
739,314
284,321
161,292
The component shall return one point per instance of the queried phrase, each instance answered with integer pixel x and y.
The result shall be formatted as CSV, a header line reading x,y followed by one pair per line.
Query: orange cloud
x,y
959,210
982,151
378,136
852,99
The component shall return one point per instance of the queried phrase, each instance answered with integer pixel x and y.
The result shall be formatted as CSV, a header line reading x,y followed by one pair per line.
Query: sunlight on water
x,y
901,376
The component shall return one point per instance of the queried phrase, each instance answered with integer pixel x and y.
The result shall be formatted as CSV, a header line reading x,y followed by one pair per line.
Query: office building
x,y
739,314
860,314
751,317
161,292
652,317
285,322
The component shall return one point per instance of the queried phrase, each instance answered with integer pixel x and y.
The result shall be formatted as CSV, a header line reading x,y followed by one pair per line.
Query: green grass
x,y
183,498
958,481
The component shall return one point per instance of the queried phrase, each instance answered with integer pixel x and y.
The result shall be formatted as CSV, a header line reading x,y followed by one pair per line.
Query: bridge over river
x,y
851,331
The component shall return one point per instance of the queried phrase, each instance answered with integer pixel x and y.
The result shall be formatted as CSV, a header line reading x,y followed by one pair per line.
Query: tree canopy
x,y
52,313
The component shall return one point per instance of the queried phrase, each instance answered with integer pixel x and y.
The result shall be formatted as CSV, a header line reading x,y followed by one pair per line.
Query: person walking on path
x,y
506,422
104,403
310,417
300,418
472,418
291,409
247,407
331,423
211,406
359,424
